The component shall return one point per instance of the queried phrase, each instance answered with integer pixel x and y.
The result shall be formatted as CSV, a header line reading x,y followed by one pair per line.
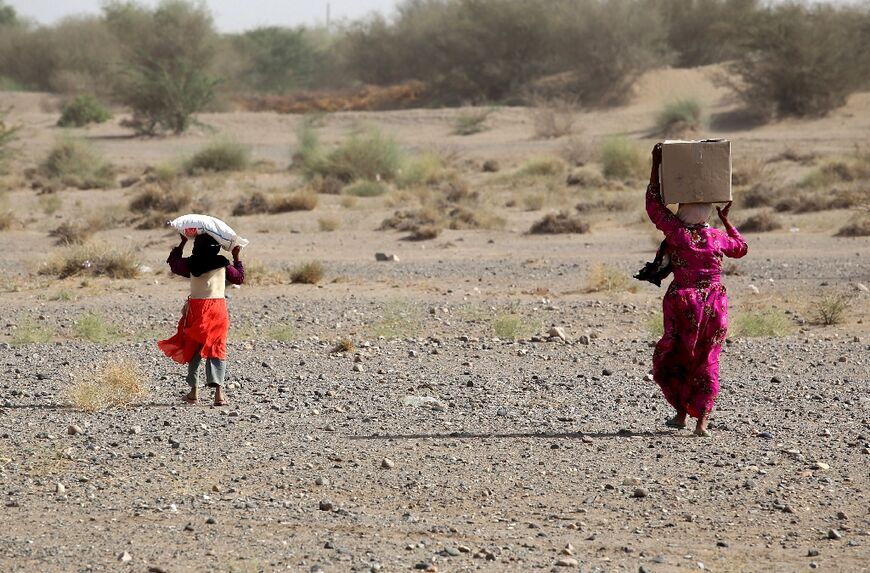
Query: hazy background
x,y
230,15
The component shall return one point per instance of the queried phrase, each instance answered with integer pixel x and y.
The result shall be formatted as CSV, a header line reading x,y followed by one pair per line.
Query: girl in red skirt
x,y
202,330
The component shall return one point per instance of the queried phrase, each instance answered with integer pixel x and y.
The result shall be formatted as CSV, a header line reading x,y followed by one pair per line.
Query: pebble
x,y
567,562
59,488
821,466
357,368
584,340
321,481
640,492
387,463
834,534
631,481
74,430
557,332
125,557
813,553
325,505
211,521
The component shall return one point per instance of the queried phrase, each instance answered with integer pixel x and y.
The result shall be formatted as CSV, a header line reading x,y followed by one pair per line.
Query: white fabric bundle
x,y
193,225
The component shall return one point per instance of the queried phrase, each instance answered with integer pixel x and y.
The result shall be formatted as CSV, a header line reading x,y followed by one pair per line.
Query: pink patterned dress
x,y
695,308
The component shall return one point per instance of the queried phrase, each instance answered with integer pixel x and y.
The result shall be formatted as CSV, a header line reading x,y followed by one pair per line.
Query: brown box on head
x,y
696,171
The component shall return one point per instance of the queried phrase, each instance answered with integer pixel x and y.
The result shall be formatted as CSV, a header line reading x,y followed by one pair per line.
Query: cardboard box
x,y
696,171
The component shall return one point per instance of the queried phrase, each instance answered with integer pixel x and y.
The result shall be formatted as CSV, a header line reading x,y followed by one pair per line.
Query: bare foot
x,y
678,421
220,399
191,396
701,427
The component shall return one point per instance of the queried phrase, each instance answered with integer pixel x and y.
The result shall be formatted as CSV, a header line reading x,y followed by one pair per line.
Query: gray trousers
x,y
215,370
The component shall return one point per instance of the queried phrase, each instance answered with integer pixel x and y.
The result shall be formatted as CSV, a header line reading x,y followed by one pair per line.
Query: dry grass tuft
x,y
7,220
31,333
542,167
621,158
575,151
94,259
830,310
94,328
764,322
112,385
366,189
559,223
553,118
344,345
605,278
859,226
513,327
680,118
471,122
165,199
73,163
219,157
761,223
73,233
328,224
309,273
257,203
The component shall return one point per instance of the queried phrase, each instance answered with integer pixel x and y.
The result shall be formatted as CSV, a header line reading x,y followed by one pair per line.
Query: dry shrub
x,y
94,259
304,200
621,158
609,205
328,224
74,164
759,195
534,201
356,98
73,232
559,223
252,205
219,157
366,189
847,170
309,273
830,310
749,171
553,118
344,345
605,278
7,220
586,178
424,169
258,274
575,151
541,167
680,118
471,122
858,226
118,384
161,199
761,223
813,202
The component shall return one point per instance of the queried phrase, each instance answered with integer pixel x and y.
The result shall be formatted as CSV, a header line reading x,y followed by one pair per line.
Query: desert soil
x,y
434,445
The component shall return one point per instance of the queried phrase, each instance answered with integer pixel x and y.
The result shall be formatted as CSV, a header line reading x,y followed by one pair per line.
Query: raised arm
x,y
662,218
733,245
236,271
177,263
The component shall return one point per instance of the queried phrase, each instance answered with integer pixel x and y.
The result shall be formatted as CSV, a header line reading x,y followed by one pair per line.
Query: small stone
x,y
834,534
813,553
754,289
557,332
607,372
821,466
385,258
584,340
491,166
125,557
325,505
321,481
388,464
567,562
631,481
136,430
74,430
211,521
60,489
640,492
357,368
721,544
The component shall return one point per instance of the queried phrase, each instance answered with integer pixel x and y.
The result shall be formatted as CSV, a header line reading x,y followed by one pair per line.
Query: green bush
x,y
621,158
95,259
471,122
369,155
702,32
277,59
219,156
83,110
31,333
680,118
94,328
802,60
168,55
762,322
75,164
366,189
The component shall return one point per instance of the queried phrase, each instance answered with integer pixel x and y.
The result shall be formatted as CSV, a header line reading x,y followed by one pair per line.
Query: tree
x,y
277,59
8,16
167,59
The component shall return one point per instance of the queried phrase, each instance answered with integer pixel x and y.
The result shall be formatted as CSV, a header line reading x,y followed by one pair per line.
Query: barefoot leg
x,y
701,426
191,396
220,399
678,421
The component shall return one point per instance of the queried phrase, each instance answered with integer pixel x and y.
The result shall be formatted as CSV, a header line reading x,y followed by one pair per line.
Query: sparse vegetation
x,y
83,110
398,321
830,310
621,158
8,134
512,326
7,220
858,226
424,169
328,224
471,122
762,322
606,278
160,203
29,332
94,259
94,328
218,157
367,155
283,333
541,167
309,273
553,118
117,384
344,345
366,189
559,223
73,163
73,232
680,118
303,200
761,223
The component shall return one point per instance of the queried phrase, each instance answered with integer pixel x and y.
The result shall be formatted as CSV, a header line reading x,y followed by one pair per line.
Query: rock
x,y
861,287
74,430
136,430
640,492
388,464
557,332
648,378
385,258
321,481
491,166
813,553
754,289
325,505
424,402
567,562
211,521
821,466
583,340
125,557
721,544
60,489
607,372
631,481
834,534
357,368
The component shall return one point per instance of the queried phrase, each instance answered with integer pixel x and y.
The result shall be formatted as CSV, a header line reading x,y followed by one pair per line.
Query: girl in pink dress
x,y
695,307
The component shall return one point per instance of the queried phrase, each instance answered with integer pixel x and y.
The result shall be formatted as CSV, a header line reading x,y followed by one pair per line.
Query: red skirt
x,y
203,328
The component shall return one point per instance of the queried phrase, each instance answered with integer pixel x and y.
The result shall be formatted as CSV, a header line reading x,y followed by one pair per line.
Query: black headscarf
x,y
205,257
658,269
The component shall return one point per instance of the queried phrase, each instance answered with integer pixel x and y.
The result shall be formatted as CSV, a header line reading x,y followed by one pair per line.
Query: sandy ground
x,y
435,445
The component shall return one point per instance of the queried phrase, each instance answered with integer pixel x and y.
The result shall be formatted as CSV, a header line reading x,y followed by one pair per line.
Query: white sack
x,y
193,225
